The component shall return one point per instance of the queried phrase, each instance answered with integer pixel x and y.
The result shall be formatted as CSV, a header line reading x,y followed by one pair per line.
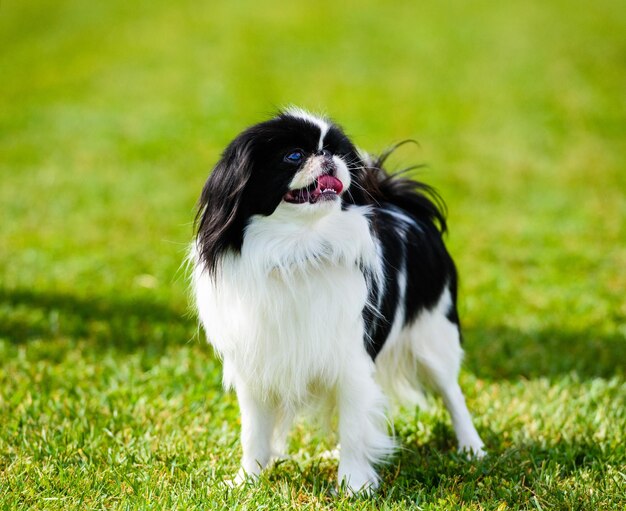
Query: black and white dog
x,y
319,278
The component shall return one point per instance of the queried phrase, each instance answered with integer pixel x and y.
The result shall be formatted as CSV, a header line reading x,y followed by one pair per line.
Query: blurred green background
x,y
113,113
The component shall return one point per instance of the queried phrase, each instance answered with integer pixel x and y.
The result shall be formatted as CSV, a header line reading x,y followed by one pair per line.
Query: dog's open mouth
x,y
325,187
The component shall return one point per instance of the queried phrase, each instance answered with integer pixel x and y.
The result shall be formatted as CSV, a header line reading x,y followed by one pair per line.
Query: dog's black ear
x,y
221,216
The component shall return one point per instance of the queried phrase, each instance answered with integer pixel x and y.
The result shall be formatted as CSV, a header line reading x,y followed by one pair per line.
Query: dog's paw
x,y
358,488
474,451
359,481
242,478
279,457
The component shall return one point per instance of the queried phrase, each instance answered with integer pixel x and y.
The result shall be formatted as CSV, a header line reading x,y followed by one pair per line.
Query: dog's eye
x,y
294,156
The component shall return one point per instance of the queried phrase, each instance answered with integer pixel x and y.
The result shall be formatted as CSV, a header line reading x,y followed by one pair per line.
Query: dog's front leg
x,y
362,427
258,418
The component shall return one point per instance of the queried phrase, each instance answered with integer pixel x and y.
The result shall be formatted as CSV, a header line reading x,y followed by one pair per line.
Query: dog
x,y
320,278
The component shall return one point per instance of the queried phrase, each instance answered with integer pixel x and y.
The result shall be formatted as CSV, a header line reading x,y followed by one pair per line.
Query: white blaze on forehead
x,y
321,123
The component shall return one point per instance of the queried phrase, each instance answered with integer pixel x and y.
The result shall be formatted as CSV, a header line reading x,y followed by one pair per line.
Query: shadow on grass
x,y
131,322
424,473
494,352
125,323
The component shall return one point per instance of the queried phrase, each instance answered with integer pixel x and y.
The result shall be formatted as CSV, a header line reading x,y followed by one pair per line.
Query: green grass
x,y
111,116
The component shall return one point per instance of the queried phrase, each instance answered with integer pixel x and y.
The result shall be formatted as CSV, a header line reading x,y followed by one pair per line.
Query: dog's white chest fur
x,y
286,313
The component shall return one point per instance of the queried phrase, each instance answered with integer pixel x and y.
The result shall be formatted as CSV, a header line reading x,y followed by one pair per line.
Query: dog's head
x,y
296,162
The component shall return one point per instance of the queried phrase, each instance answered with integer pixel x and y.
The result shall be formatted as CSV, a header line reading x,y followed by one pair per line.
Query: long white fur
x,y
286,317
289,333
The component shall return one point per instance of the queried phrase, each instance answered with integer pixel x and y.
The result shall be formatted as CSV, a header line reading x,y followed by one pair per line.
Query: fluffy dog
x,y
320,277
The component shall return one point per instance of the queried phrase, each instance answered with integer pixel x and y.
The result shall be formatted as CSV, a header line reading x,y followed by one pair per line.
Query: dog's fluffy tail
x,y
376,186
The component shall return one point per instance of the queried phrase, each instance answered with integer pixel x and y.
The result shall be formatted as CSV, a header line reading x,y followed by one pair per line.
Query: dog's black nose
x,y
325,153
328,165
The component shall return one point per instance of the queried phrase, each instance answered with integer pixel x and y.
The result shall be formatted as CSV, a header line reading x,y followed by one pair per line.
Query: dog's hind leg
x,y
437,349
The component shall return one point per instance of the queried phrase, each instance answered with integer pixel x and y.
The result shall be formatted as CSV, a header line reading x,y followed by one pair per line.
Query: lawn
x,y
111,116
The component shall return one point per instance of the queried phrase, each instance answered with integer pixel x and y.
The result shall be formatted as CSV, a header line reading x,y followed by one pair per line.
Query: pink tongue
x,y
327,182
